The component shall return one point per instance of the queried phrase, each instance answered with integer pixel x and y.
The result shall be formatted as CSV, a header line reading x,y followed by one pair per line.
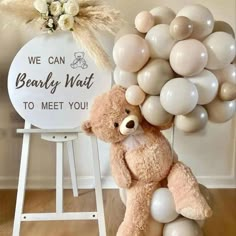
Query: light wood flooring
x,y
223,223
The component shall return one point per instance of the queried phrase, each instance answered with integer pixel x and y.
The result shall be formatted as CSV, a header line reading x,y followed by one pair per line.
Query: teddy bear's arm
x,y
119,167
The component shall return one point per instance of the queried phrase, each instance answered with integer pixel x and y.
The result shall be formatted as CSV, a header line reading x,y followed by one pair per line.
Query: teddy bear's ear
x,y
87,128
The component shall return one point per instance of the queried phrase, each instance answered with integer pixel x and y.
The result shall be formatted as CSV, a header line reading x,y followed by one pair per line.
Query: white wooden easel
x,y
60,137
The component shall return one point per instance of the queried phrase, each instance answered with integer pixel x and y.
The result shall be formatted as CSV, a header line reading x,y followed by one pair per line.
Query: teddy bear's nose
x,y
130,124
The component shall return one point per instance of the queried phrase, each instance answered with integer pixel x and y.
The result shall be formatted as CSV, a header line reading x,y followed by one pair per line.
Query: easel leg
x,y
22,182
71,157
98,188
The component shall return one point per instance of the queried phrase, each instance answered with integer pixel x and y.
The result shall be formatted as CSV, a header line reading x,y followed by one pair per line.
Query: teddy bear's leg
x,y
188,198
137,209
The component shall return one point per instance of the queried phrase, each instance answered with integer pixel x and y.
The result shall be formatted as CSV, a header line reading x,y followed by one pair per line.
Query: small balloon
x,y
202,18
160,41
188,57
131,53
163,206
163,15
179,96
154,75
221,50
154,113
135,95
181,28
221,26
193,121
154,228
221,111
227,91
144,21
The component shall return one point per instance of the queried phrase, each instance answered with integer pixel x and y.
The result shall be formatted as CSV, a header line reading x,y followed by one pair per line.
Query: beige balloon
x,y
135,95
160,41
221,111
202,18
144,21
154,228
188,57
227,91
221,48
154,75
163,15
131,53
222,26
193,121
154,113
181,28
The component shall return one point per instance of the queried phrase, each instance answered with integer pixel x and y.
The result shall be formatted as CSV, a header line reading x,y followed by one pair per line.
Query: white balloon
x,y
207,86
179,96
163,206
135,95
162,15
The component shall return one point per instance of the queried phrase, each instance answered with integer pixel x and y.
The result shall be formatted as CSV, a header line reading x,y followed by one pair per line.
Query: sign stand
x,y
60,137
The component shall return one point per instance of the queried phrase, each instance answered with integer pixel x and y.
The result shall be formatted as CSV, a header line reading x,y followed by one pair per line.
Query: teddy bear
x,y
141,157
79,61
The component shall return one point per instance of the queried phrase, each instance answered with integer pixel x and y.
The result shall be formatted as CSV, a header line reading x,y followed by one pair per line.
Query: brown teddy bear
x,y
141,157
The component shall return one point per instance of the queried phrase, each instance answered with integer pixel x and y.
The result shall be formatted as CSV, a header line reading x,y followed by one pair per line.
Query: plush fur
x,y
140,161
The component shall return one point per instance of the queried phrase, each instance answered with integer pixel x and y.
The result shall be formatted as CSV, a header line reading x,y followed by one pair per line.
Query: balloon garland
x,y
178,66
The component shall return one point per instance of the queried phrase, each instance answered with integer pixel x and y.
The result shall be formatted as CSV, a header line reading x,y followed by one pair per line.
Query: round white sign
x,y
52,82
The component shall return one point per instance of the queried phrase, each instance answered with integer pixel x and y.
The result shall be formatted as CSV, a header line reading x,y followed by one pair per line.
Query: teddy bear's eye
x,y
127,111
116,125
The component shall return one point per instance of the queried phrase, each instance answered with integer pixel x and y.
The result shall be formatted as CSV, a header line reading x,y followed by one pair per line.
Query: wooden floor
x,y
223,223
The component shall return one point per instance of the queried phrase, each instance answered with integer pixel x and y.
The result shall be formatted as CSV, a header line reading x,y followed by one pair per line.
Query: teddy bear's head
x,y
112,118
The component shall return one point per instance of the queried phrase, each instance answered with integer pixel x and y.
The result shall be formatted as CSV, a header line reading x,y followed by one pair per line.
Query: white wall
x,y
210,153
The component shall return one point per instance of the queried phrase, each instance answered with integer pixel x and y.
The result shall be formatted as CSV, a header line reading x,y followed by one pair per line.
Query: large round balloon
x,y
163,206
221,26
154,113
179,96
134,95
227,91
182,227
160,41
188,57
144,21
162,15
221,48
154,75
131,52
207,86
193,121
202,18
221,111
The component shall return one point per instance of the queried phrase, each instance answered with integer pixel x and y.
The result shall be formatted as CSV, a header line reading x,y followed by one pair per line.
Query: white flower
x,y
71,7
55,8
66,22
41,6
50,23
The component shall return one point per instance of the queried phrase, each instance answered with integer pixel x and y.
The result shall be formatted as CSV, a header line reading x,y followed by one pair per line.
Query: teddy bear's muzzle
x,y
129,125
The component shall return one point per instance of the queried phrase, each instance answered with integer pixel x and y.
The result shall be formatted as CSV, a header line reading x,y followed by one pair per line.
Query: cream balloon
x,y
154,75
182,227
193,121
221,26
219,111
124,79
135,95
160,42
154,113
188,57
221,48
163,15
227,91
144,21
207,86
163,206
179,96
154,228
202,18
131,53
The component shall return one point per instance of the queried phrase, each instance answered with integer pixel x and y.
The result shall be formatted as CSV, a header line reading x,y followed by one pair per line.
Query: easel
x,y
60,137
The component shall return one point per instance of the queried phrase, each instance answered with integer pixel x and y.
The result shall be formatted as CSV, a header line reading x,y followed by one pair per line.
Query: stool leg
x,y
22,182
71,157
98,188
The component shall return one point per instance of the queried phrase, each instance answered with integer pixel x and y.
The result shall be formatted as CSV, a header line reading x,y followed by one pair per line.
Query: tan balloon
x,y
154,113
188,57
160,41
220,111
144,21
202,18
154,228
221,26
134,95
163,15
221,48
131,53
193,121
181,28
154,75
227,91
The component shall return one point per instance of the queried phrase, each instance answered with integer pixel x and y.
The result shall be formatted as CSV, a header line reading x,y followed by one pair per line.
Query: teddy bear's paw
x,y
129,230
